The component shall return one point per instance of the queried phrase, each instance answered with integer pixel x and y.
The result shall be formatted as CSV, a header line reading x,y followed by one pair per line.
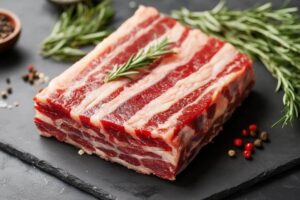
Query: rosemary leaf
x,y
79,25
140,60
271,35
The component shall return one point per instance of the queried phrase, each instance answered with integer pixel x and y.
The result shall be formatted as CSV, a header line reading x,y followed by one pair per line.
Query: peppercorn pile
x,y
252,138
6,27
33,77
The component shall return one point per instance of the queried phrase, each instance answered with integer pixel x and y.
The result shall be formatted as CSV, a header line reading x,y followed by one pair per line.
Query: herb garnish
x,y
271,35
143,58
79,25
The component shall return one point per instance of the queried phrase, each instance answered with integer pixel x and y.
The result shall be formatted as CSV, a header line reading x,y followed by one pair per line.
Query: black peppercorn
x,y
253,134
3,95
8,80
25,78
9,90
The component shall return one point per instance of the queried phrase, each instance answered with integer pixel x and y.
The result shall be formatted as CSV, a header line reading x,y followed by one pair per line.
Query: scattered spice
x,y
3,95
253,134
231,153
245,132
253,127
8,81
25,78
247,154
3,104
16,104
9,90
249,142
258,143
6,27
34,77
264,136
238,142
81,152
30,68
249,146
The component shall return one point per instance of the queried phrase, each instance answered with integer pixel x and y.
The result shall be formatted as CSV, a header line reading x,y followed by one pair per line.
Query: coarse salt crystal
x,y
80,152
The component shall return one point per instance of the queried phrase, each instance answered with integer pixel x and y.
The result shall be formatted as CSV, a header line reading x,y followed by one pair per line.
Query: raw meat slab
x,y
212,174
157,121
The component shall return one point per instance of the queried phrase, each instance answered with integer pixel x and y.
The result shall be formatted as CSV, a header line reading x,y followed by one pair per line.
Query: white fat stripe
x,y
172,121
43,117
105,60
195,41
183,87
65,79
219,85
166,156
95,96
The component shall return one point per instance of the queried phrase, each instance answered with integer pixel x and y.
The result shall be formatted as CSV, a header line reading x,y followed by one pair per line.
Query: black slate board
x,y
37,184
211,175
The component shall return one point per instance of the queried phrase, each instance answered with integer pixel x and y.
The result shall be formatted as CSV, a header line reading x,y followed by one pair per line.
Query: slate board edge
x,y
56,172
102,194
257,179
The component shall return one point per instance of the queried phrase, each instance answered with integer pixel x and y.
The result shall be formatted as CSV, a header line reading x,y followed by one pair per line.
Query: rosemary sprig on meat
x,y
271,35
79,25
140,60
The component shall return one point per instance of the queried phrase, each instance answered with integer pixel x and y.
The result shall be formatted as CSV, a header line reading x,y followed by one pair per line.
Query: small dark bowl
x,y
65,3
8,42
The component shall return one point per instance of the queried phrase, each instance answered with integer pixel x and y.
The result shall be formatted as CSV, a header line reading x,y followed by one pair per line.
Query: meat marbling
x,y
157,122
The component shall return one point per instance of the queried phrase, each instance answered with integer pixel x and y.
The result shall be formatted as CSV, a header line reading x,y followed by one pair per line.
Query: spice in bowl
x,y
6,27
10,29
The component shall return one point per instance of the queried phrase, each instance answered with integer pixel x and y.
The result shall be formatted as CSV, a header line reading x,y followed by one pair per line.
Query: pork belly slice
x,y
157,122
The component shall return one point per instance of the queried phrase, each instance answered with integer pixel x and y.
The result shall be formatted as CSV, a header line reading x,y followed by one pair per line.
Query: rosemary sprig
x,y
140,60
271,35
79,25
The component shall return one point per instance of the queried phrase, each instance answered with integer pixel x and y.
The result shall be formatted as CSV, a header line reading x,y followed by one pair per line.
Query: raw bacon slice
x,y
157,122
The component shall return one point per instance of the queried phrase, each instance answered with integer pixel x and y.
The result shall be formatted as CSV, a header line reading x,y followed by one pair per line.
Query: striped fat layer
x,y
105,90
97,104
234,72
192,44
165,156
96,79
180,106
170,125
183,87
142,15
107,60
125,111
